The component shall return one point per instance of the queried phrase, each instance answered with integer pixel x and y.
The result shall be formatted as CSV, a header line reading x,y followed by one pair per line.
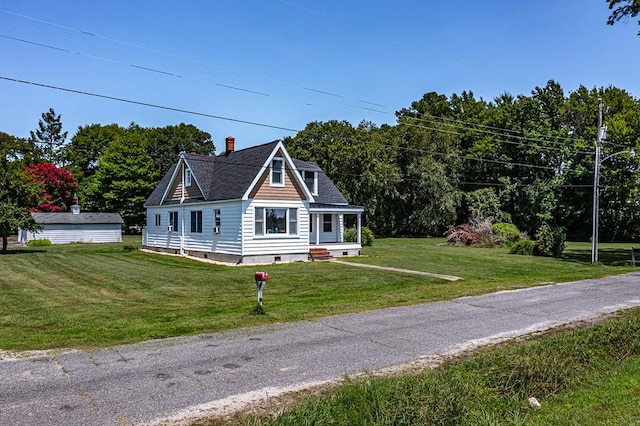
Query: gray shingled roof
x,y
77,219
327,191
228,176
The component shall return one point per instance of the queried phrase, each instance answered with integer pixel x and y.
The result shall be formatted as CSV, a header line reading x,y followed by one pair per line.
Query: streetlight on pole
x,y
596,187
602,135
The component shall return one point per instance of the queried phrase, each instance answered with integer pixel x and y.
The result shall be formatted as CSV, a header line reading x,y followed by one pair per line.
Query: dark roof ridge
x,y
239,151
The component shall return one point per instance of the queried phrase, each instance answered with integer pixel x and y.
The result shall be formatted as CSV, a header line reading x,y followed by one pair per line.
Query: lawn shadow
x,y
606,256
21,251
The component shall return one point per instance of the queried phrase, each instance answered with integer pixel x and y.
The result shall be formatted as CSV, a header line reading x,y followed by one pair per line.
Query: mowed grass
x,y
100,295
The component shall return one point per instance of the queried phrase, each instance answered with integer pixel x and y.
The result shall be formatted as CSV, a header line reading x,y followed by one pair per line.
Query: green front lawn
x,y
91,295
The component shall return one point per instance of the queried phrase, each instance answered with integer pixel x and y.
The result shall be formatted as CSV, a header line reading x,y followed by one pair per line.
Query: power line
x,y
432,152
503,133
457,133
147,104
160,52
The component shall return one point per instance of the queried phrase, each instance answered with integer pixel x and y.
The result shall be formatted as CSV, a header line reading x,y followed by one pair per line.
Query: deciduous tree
x,y
623,9
17,190
58,187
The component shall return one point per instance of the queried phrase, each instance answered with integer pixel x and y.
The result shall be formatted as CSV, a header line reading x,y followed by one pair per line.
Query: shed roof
x,y
77,219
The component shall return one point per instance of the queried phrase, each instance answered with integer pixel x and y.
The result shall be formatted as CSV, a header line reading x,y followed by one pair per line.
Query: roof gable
x,y
235,176
280,151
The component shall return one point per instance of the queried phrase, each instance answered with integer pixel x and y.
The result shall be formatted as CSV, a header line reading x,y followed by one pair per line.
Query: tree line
x,y
106,168
527,159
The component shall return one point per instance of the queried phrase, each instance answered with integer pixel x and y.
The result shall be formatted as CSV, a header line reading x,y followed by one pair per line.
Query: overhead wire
x,y
219,117
466,125
147,104
182,58
501,131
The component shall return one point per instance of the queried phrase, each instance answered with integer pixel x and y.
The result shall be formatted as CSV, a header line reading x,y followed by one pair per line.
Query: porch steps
x,y
319,254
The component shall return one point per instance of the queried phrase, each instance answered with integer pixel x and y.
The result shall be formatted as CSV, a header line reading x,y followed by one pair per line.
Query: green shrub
x,y
351,236
39,243
523,247
550,241
508,232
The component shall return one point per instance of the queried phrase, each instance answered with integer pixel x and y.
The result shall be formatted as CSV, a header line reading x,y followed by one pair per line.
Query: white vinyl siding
x,y
77,233
282,243
228,241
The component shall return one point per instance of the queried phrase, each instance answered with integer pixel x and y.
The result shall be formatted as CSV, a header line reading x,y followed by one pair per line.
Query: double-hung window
x,y
276,221
173,221
311,180
158,220
217,221
187,177
196,221
327,222
277,172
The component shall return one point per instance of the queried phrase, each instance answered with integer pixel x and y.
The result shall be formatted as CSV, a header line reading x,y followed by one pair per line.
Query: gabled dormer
x,y
184,185
278,179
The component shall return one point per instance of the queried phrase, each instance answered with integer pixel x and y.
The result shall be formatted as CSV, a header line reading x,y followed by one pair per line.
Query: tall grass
x,y
493,386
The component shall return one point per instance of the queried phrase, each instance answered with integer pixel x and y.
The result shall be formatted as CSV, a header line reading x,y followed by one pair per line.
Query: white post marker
x,y
261,280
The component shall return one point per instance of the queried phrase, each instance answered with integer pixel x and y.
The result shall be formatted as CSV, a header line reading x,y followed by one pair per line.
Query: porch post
x,y
341,227
359,226
317,229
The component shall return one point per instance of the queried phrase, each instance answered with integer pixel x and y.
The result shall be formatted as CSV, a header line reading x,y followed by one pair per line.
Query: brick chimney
x,y
230,144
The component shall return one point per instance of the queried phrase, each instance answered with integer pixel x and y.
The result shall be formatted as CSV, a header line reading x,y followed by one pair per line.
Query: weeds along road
x,y
175,381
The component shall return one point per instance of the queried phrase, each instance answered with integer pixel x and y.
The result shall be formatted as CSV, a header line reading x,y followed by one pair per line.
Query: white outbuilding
x,y
75,227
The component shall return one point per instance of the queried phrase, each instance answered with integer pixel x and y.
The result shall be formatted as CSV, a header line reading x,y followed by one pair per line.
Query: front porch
x,y
327,225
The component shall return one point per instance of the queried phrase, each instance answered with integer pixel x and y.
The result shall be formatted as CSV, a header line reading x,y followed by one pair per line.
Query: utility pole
x,y
596,188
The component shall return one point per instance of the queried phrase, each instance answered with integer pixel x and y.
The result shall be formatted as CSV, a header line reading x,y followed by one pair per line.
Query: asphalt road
x,y
179,380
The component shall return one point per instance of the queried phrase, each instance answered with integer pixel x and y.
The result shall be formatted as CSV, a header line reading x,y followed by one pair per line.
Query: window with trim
x,y
327,222
276,221
311,180
158,220
216,221
187,177
277,172
196,221
173,221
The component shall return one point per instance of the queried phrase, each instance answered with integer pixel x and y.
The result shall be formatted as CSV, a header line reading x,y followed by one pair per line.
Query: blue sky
x,y
285,63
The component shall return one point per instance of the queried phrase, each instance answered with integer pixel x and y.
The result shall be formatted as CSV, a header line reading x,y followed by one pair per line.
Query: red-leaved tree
x,y
58,186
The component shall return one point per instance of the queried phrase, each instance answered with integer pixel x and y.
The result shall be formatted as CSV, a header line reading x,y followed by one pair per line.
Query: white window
x,y
196,222
259,221
293,221
311,180
173,221
217,221
276,221
187,177
277,172
158,220
327,222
